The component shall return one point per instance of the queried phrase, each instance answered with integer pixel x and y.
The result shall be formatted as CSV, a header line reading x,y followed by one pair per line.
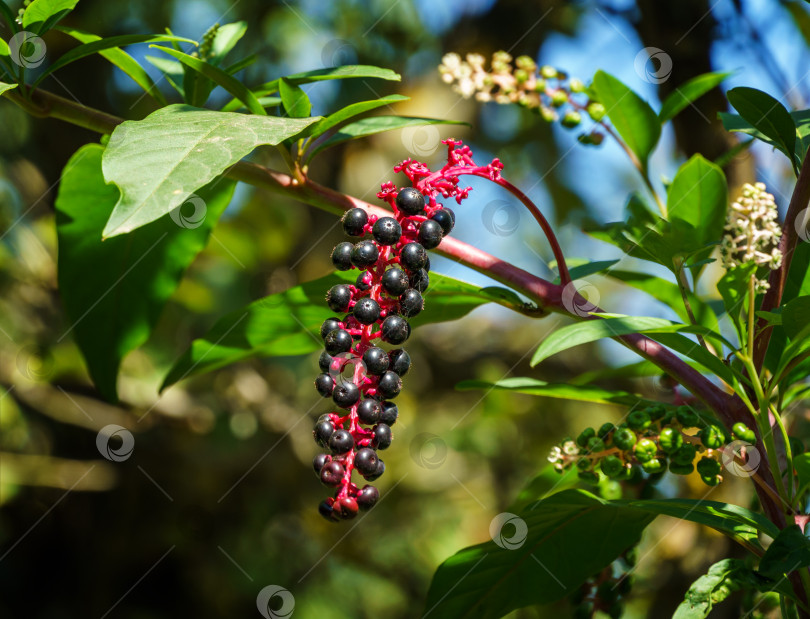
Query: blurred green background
x,y
218,499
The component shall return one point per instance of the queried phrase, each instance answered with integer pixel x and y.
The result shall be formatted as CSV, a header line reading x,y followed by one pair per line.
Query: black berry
x,y
376,361
389,414
338,341
410,201
324,384
411,302
430,234
332,473
346,508
354,221
367,497
390,385
366,461
378,473
325,361
386,231
382,436
395,330
361,284
366,310
413,256
369,411
325,510
420,280
323,430
346,394
446,218
341,442
338,298
400,361
342,256
320,461
330,324
364,254
395,281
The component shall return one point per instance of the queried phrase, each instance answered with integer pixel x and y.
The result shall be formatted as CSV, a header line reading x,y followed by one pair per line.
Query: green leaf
x,y
733,287
173,72
768,116
10,18
225,40
488,580
687,93
219,77
697,201
579,269
801,462
99,45
120,59
41,15
723,578
294,99
350,111
114,291
159,161
692,350
633,118
333,73
789,551
4,87
592,330
798,280
288,323
377,124
582,393
795,315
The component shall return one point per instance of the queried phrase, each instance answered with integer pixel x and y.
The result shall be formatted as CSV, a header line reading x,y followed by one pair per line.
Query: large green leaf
x,y
632,116
557,543
352,71
159,161
377,124
697,201
350,111
583,393
4,87
114,291
687,93
767,116
795,315
723,578
789,551
294,99
99,45
287,323
41,15
120,59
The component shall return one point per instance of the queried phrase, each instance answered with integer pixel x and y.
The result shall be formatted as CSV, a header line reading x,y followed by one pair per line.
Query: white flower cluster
x,y
558,455
752,232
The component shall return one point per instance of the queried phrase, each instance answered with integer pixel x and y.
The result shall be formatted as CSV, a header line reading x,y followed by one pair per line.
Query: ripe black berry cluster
x,y
391,254
651,440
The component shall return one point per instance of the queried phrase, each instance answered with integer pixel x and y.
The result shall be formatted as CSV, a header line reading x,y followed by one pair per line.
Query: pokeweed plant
x,y
728,411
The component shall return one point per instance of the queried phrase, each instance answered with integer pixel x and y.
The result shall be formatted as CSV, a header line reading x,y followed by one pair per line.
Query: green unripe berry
x,y
639,420
596,444
681,469
611,490
540,85
645,450
596,111
588,477
685,454
548,72
742,432
571,119
521,76
708,467
526,63
612,466
670,440
687,417
547,114
712,437
576,85
656,465
604,430
656,412
559,98
634,474
585,436
710,480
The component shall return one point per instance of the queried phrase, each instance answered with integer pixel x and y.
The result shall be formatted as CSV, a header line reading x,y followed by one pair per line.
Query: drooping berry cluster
x,y
391,254
652,439
607,590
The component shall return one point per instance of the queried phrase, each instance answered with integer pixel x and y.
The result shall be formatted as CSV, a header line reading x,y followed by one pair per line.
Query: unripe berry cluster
x,y
607,590
550,92
391,254
654,440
